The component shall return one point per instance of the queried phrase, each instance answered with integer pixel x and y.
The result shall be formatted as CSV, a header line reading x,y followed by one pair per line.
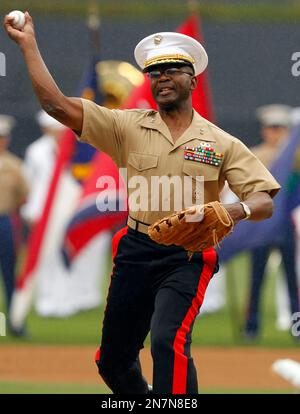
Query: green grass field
x,y
218,329
29,388
46,388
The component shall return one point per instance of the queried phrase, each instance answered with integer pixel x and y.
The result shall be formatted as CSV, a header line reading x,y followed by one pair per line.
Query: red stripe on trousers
x,y
115,244
116,240
180,360
97,356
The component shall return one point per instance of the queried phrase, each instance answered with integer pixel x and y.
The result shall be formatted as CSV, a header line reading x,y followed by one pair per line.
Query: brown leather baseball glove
x,y
195,229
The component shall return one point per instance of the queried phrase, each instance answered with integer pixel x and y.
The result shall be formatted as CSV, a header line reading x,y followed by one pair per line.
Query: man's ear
x,y
194,82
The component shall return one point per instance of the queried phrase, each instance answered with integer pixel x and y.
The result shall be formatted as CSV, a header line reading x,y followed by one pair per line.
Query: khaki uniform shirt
x,y
140,141
13,187
266,153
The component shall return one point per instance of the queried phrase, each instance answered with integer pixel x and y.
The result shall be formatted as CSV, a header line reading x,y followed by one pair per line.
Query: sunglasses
x,y
157,73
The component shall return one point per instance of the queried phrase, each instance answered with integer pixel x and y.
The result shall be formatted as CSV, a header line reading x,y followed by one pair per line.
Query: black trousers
x,y
7,257
260,256
156,288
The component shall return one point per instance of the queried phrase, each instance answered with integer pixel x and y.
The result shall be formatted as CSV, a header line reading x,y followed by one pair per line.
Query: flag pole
x,y
193,7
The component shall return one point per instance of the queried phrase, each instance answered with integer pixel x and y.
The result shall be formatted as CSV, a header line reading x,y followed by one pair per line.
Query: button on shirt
x,y
141,142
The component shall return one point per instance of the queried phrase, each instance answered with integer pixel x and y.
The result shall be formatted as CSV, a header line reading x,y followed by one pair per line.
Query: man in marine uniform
x,y
13,190
154,287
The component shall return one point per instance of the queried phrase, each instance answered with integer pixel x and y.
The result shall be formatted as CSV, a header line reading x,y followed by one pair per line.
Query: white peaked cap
x,y
275,114
6,125
46,121
170,47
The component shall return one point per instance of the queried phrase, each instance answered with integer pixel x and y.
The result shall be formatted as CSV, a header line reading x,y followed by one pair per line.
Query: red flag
x,y
88,221
141,96
202,100
35,242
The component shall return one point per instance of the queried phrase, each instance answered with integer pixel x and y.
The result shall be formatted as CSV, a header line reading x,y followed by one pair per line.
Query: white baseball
x,y
19,19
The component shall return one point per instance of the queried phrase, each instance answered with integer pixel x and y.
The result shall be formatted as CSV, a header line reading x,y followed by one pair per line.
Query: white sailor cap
x,y
6,125
275,114
170,47
46,121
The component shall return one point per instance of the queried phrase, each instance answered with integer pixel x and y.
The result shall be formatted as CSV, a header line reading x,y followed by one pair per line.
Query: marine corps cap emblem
x,y
157,39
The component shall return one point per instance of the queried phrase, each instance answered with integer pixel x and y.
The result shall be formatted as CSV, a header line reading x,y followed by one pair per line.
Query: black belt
x,y
137,225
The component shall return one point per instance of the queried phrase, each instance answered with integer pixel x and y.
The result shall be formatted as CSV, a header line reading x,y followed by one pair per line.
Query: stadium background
x,y
250,44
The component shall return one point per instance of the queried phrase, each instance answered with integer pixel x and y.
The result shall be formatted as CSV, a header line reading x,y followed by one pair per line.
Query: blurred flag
x,y
74,158
142,97
37,235
251,234
82,154
202,99
39,238
293,187
88,220
73,166
89,86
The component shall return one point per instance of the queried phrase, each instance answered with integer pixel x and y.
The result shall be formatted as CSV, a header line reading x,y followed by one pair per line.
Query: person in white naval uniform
x,y
60,292
39,164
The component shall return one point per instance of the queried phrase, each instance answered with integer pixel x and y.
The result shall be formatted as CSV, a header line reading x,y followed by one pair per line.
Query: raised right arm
x,y
66,110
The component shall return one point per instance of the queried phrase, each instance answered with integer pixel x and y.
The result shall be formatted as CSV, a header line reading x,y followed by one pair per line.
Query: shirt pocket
x,y
142,162
193,169
202,182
